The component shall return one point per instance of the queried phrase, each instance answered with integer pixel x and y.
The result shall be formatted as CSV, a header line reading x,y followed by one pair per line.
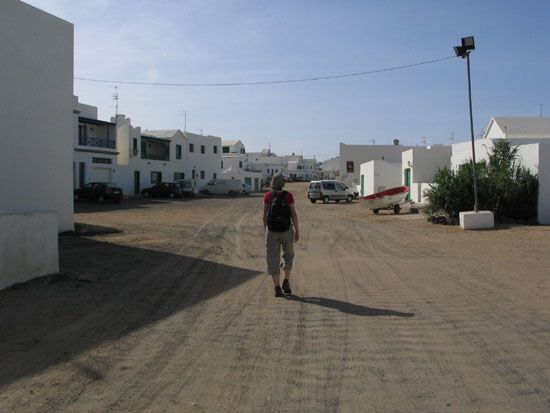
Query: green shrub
x,y
503,186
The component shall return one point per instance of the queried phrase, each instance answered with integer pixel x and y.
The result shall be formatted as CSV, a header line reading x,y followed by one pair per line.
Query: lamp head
x,y
460,51
468,43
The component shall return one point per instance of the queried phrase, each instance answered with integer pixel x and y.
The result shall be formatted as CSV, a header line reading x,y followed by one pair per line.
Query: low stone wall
x,y
28,246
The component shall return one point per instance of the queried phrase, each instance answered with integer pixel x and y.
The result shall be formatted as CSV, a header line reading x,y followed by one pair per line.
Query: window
x,y
215,149
134,145
101,160
178,176
203,148
193,174
202,174
242,150
276,171
225,149
178,151
222,164
214,175
156,177
329,186
191,147
241,164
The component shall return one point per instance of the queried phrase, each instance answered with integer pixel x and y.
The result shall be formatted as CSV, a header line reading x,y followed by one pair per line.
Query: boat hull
x,y
385,199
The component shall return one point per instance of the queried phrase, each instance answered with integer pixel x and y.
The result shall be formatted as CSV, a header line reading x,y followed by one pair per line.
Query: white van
x,y
188,187
326,191
223,187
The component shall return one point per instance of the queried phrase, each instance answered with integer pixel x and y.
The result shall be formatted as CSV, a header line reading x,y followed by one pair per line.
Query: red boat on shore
x,y
388,199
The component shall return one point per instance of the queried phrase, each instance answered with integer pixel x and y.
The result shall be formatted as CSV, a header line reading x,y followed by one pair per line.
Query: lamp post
x,y
463,51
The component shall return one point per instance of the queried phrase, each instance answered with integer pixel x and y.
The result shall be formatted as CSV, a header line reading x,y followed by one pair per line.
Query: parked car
x,y
163,190
223,187
99,191
188,187
327,190
247,190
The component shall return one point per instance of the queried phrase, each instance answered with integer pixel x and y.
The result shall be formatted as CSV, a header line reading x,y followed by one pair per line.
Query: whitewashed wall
x,y
379,176
28,246
36,104
359,154
209,162
536,157
462,152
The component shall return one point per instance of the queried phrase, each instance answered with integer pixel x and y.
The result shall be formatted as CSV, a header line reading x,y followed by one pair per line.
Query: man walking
x,y
281,231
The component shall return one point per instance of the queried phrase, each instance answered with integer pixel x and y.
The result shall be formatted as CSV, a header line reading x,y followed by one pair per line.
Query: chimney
x,y
396,142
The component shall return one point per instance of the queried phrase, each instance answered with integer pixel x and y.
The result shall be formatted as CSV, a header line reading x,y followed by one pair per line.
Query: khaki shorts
x,y
273,243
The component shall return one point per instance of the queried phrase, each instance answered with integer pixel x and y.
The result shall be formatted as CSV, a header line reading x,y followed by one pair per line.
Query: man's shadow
x,y
348,308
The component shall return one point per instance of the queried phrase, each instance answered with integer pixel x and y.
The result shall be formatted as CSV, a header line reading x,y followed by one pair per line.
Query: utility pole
x,y
541,110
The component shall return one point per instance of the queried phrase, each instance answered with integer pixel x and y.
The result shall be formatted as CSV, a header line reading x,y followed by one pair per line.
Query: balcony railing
x,y
155,157
97,142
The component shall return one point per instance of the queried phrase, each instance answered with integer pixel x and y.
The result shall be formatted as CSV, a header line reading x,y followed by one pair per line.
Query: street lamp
x,y
463,51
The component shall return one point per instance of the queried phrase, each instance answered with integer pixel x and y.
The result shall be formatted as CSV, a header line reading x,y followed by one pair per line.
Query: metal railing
x,y
154,157
97,142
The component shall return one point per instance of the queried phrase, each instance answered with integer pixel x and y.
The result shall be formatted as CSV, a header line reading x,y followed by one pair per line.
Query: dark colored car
x,y
164,190
99,191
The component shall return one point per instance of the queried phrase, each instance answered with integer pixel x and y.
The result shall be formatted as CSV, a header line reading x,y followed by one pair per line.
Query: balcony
x,y
155,149
97,142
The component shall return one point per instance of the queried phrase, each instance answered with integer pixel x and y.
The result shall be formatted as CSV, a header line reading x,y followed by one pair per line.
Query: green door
x,y
136,183
408,182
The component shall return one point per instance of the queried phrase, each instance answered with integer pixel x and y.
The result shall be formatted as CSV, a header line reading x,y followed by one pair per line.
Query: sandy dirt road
x,y
390,313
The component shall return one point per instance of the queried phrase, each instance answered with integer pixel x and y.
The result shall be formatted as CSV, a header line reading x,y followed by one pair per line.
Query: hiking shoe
x,y
278,292
286,287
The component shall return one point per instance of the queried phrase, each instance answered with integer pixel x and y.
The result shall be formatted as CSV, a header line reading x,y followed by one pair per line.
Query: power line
x,y
270,82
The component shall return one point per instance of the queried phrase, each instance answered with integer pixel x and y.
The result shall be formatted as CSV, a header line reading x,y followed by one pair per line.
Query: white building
x,y
378,175
204,159
233,147
94,142
235,165
36,104
330,168
419,166
268,163
352,156
169,147
300,168
148,157
531,135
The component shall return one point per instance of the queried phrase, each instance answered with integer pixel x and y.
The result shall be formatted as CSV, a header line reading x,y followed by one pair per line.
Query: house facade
x,y
419,166
352,156
235,165
204,159
378,175
330,168
532,137
301,169
148,157
268,163
95,147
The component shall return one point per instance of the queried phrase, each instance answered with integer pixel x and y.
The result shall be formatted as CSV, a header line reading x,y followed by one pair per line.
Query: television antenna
x,y
115,98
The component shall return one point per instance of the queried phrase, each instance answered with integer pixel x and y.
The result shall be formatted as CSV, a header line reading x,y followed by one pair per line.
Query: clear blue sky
x,y
252,40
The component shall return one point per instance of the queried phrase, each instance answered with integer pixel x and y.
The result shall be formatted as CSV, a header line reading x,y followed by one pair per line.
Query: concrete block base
x,y
28,246
477,220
